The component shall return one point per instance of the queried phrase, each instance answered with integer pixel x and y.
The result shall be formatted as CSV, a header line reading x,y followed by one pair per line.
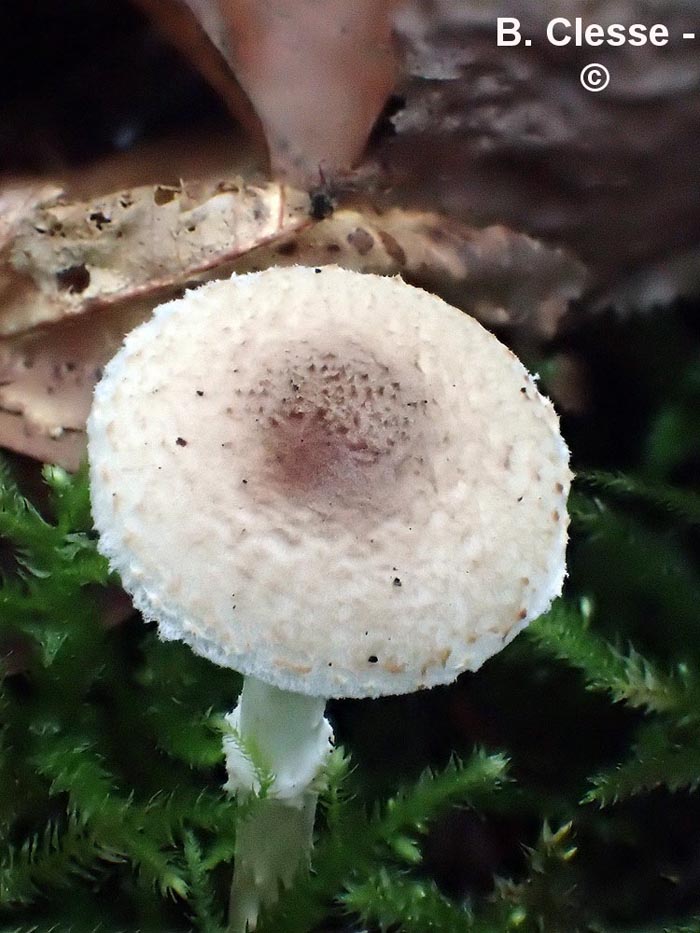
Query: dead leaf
x,y
62,258
67,450
17,201
47,376
318,79
500,276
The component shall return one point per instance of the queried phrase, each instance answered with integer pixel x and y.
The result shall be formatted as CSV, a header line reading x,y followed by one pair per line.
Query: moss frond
x,y
76,770
53,858
656,760
70,498
547,897
205,913
677,503
460,782
627,676
393,900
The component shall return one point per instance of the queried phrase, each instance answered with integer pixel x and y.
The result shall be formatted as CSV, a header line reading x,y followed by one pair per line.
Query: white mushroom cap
x,y
334,482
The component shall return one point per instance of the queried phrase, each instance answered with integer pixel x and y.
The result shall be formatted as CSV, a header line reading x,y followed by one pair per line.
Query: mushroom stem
x,y
278,743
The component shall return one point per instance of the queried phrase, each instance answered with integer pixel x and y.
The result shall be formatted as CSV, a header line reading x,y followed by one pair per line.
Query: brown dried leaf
x,y
318,79
63,258
16,434
499,276
47,376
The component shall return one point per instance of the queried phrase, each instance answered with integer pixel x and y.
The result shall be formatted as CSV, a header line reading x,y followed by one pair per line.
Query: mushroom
x,y
336,484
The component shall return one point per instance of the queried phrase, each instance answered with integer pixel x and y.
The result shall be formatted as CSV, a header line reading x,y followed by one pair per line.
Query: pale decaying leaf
x,y
47,372
16,434
63,258
16,204
499,276
47,376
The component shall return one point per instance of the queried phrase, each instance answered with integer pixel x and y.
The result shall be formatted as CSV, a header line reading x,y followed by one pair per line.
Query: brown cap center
x,y
338,426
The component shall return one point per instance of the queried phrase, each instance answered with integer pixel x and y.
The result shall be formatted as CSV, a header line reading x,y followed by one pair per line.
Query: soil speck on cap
x,y
372,659
181,442
397,581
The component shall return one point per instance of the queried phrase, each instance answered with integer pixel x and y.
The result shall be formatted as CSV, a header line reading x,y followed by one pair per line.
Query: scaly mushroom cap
x,y
334,482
